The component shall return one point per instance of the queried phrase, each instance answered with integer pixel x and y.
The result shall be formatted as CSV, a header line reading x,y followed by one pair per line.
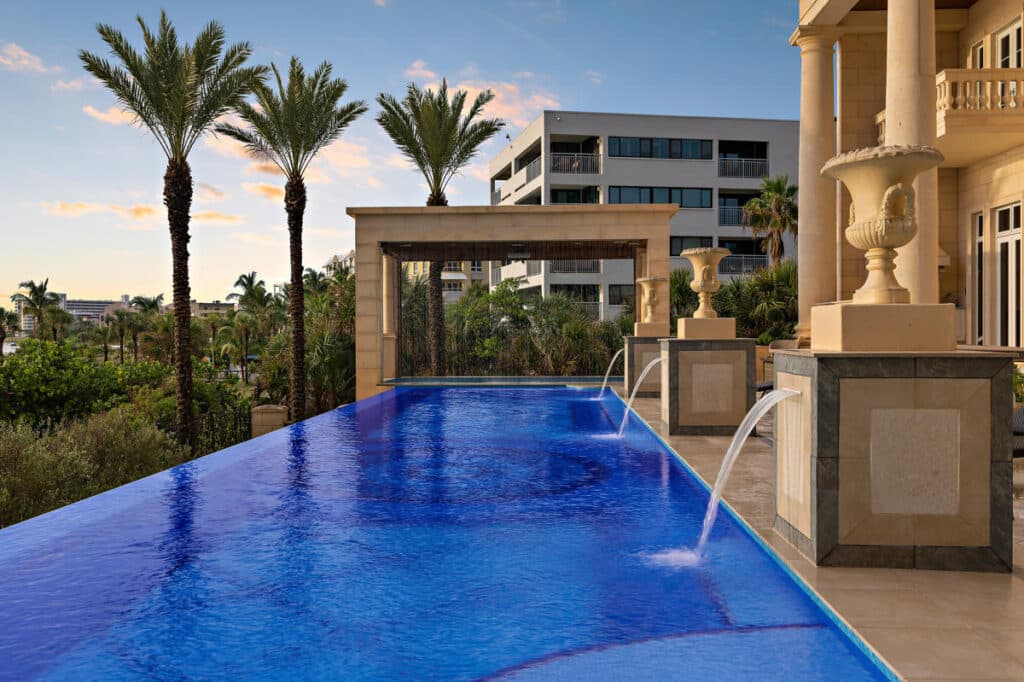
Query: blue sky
x,y
81,188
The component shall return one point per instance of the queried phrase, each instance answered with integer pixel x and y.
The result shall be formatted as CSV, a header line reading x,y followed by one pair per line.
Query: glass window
x,y
678,244
565,196
677,196
629,146
449,285
676,149
630,195
659,148
613,146
694,197
660,195
620,294
645,147
613,195
476,266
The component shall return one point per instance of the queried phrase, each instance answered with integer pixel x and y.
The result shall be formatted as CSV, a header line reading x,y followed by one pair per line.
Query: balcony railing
x,y
575,163
742,264
575,266
742,168
495,197
593,309
534,267
732,215
979,89
533,169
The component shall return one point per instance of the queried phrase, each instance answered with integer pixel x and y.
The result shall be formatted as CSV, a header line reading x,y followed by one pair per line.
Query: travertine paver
x,y
929,625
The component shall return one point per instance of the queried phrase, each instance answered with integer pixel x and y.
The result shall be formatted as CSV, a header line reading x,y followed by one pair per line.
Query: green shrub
x,y
78,459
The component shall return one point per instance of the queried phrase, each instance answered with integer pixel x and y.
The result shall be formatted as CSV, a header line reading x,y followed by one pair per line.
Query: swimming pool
x,y
452,533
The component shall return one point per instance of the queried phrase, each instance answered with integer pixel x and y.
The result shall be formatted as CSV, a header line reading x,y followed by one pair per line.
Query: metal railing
x,y
593,308
533,169
742,264
732,215
575,266
742,168
575,163
495,197
534,267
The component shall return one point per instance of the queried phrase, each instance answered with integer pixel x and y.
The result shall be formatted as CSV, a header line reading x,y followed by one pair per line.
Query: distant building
x,y
346,261
27,322
93,310
456,276
204,310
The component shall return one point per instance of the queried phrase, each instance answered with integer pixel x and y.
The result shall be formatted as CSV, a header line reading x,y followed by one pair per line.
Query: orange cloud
x,y
346,157
313,176
372,181
75,84
215,217
398,161
113,115
264,190
418,71
74,209
510,102
13,57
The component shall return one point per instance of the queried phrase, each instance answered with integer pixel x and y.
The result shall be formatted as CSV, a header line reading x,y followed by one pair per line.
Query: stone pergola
x,y
386,237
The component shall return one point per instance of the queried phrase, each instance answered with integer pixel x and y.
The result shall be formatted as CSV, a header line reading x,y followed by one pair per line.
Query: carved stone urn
x,y
705,276
882,219
649,286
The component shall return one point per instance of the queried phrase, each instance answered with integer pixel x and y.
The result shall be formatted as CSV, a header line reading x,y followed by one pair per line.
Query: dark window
x,y
678,244
613,146
565,196
741,247
614,196
659,148
630,195
645,147
620,294
660,195
629,146
685,197
696,198
675,149
677,196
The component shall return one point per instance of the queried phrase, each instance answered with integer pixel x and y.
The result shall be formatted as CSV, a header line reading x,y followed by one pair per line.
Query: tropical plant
x,y
251,287
289,127
764,303
772,214
177,91
35,301
58,321
431,131
235,339
682,299
147,305
9,325
314,281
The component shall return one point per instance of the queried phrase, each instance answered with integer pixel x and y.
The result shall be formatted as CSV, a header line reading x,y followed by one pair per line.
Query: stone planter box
x,y
267,418
707,385
640,350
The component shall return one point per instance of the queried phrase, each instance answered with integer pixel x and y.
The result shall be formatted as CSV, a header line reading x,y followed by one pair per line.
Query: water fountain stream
x,y
608,373
636,388
690,557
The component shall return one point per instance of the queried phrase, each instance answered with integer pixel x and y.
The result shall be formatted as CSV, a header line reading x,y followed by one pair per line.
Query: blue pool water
x,y
426,533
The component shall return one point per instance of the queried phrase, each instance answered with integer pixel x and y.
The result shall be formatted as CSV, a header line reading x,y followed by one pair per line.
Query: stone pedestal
x,y
859,327
655,330
267,418
707,384
640,350
897,460
706,327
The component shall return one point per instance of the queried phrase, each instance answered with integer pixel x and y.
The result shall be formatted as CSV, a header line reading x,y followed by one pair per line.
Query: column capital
x,y
810,38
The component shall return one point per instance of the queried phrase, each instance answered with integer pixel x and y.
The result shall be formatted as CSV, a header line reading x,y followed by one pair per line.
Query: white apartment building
x,y
710,167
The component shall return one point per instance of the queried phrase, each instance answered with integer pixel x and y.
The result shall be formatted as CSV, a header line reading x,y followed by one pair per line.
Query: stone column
x,y
816,243
388,296
910,119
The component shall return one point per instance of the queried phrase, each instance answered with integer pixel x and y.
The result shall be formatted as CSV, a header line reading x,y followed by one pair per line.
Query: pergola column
x,y
816,243
910,119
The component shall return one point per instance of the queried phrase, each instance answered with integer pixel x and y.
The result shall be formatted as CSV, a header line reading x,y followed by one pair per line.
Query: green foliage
x,y
773,213
764,303
46,383
78,459
1018,385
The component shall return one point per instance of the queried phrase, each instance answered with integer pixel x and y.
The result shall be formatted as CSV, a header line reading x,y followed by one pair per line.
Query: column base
x,y
707,385
640,350
896,460
650,329
879,328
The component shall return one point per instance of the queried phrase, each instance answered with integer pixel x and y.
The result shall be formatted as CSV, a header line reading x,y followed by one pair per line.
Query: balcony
x,y
574,266
575,163
742,168
978,113
533,169
742,264
732,215
495,197
592,308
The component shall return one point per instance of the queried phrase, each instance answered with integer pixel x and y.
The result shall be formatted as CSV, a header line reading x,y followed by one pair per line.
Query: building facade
x,y
945,73
709,167
456,277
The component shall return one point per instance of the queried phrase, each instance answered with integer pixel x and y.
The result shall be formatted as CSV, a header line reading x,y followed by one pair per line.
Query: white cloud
x,y
346,157
372,181
113,115
511,103
328,232
380,3
207,193
524,75
13,57
594,77
74,84
398,161
418,71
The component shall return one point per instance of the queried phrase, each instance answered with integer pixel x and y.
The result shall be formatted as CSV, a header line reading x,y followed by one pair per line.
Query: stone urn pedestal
x,y
896,452
707,374
643,347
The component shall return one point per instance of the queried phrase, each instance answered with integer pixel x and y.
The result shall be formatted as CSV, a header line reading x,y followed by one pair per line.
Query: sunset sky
x,y
81,187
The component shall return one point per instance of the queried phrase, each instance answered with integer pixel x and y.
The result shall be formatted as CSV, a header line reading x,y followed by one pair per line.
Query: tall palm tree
x,y
177,91
289,128
103,334
122,327
772,214
147,305
9,325
431,131
36,302
235,338
314,281
58,320
249,283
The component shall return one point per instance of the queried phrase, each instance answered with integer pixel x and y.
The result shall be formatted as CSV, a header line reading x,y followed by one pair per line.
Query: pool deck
x,y
928,625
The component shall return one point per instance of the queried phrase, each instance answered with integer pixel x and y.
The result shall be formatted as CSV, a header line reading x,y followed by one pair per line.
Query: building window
x,y
476,266
685,197
621,294
565,196
1008,218
452,266
450,285
678,244
659,148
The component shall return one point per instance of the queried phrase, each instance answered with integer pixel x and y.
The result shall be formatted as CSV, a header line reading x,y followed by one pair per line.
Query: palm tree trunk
x,y
245,357
435,304
135,348
120,347
178,199
3,337
295,206
106,353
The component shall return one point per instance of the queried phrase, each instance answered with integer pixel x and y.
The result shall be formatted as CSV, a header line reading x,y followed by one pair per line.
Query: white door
x,y
1008,56
1008,271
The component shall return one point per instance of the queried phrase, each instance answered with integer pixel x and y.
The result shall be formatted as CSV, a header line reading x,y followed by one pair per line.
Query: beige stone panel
x,y
645,355
854,495
711,388
880,529
793,465
857,397
884,327
915,461
706,328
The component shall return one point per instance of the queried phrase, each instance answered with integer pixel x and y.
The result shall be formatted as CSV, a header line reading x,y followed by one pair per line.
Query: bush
x,y
78,459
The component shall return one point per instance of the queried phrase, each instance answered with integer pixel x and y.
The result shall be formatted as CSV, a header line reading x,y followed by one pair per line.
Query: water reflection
x,y
180,545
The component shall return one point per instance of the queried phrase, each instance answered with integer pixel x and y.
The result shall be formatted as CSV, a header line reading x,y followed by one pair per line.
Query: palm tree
x,y
36,302
58,320
103,334
289,128
8,326
250,284
235,338
314,281
176,91
430,131
122,326
147,305
773,213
